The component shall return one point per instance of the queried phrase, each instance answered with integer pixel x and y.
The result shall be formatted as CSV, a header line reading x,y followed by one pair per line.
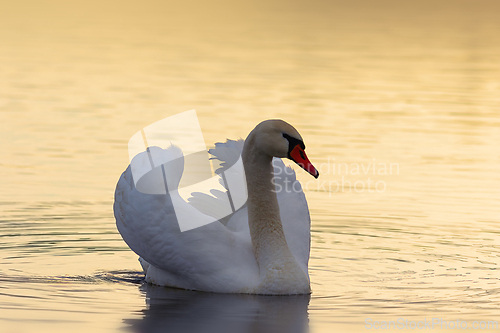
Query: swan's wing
x,y
210,257
227,153
224,155
210,205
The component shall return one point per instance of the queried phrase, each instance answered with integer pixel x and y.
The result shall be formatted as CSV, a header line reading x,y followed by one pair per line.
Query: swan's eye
x,y
292,142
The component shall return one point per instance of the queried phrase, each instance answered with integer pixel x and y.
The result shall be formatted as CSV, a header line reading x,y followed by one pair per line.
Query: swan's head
x,y
278,138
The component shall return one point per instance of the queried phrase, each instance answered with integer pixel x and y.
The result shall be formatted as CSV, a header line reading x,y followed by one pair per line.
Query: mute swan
x,y
262,249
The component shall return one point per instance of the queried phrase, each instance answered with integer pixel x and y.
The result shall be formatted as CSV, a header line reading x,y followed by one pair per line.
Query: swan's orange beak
x,y
298,155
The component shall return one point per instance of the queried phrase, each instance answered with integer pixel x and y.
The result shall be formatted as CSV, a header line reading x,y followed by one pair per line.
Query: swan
x,y
263,248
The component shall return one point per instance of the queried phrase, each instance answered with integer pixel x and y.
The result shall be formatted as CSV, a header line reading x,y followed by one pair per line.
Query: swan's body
x,y
263,248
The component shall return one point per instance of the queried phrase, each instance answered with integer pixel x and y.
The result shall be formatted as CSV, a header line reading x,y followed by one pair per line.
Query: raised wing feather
x,y
193,259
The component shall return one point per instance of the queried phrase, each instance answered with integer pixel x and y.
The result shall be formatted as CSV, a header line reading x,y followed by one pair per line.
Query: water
x,y
412,86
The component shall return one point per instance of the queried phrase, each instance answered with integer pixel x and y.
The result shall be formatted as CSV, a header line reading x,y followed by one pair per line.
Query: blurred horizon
x,y
139,63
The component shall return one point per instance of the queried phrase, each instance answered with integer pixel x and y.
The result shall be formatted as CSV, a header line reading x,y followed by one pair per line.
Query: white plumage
x,y
214,257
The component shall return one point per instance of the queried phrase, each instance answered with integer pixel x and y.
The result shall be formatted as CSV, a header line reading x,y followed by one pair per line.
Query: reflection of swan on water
x,y
180,311
262,249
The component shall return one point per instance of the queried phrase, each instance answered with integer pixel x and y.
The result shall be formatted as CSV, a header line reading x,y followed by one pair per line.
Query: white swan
x,y
263,248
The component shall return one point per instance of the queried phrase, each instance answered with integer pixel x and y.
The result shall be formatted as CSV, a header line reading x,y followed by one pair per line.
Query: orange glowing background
x,y
412,83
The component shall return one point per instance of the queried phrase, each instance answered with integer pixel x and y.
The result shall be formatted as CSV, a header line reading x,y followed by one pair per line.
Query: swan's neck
x,y
275,260
266,230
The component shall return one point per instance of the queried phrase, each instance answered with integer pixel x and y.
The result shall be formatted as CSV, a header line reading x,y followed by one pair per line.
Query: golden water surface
x,y
398,103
